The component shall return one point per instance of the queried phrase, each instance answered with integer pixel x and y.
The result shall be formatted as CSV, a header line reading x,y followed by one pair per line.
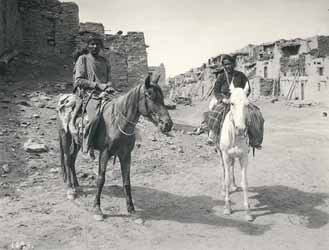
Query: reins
x,y
127,120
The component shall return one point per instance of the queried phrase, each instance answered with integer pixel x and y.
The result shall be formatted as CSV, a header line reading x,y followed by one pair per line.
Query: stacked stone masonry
x,y
46,29
273,68
39,27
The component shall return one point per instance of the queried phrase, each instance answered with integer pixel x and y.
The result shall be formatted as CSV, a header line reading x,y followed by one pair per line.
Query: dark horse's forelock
x,y
159,97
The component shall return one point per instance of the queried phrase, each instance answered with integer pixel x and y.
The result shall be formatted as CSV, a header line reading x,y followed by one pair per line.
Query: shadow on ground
x,y
160,205
286,200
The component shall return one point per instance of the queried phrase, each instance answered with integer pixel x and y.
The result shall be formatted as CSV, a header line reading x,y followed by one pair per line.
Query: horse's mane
x,y
122,104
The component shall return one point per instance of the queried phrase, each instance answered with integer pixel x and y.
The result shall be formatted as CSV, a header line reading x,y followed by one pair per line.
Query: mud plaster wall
x,y
128,58
49,27
323,43
10,26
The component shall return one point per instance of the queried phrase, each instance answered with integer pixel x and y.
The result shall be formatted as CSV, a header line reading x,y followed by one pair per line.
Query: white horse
x,y
233,144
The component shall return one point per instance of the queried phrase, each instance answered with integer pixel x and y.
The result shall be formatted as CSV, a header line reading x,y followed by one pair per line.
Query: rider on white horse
x,y
221,91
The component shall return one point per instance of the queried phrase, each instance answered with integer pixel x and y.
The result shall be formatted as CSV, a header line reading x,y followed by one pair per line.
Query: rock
x,y
5,101
169,104
180,149
24,103
6,168
54,170
25,124
324,114
36,116
53,118
139,221
84,175
35,147
40,105
44,98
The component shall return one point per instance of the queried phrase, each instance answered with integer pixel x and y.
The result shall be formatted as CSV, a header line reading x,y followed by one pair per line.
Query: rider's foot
x,y
92,153
210,142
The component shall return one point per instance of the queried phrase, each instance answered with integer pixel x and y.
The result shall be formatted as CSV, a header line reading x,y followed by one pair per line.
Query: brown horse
x,y
115,137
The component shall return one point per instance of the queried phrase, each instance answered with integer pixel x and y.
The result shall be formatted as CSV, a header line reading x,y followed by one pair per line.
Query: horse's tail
x,y
61,150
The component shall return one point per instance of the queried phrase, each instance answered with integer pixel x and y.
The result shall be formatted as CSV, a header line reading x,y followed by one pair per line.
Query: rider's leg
x,y
92,110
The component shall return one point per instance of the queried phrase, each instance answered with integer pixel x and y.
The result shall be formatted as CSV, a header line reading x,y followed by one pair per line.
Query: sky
x,y
183,34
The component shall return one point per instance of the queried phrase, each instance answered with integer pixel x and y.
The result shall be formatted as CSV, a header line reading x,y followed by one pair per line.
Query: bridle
x,y
138,111
245,133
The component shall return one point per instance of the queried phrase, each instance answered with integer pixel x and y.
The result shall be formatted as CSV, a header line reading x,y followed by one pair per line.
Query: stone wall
x,y
10,26
137,58
49,27
128,58
323,43
92,27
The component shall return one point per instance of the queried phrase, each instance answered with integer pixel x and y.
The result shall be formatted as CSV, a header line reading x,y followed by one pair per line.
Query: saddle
x,y
78,123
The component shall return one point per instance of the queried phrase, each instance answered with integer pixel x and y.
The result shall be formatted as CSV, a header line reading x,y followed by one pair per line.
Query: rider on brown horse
x,y
91,77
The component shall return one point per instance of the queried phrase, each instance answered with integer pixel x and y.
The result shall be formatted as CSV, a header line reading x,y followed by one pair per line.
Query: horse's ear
x,y
148,81
246,88
156,80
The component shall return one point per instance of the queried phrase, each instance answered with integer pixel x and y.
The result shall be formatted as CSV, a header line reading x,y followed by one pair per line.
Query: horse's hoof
x,y
131,211
70,195
249,217
234,188
227,211
139,221
98,217
78,189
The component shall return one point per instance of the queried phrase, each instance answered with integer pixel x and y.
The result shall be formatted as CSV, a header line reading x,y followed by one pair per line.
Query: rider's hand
x,y
110,89
102,86
226,101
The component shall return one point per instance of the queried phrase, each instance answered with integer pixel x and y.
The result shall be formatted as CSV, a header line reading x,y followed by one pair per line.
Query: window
x,y
265,72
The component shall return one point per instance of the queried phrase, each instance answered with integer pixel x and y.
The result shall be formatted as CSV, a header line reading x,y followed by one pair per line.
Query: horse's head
x,y
152,106
239,102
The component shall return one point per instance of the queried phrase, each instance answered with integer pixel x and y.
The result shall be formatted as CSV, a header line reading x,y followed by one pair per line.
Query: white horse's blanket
x,y
65,107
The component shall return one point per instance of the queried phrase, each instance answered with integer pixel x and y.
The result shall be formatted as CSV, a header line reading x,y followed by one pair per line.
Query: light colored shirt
x,y
90,70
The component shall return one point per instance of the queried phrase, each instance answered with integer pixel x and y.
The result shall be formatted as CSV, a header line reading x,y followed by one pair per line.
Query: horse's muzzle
x,y
165,125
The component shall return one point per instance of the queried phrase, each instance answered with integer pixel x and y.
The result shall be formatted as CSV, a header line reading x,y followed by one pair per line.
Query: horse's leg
x,y
73,172
125,162
62,156
222,172
227,178
244,184
104,157
65,139
233,187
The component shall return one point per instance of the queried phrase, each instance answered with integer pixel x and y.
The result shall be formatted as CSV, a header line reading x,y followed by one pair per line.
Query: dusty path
x,y
175,187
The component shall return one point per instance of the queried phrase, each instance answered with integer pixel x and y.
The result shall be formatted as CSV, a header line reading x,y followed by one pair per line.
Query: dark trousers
x,y
90,124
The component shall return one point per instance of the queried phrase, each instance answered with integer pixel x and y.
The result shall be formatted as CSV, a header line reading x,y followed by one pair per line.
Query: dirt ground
x,y
176,187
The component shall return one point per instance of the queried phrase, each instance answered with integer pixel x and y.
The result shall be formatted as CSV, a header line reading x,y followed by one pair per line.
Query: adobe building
x,y
126,54
296,69
41,28
50,29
